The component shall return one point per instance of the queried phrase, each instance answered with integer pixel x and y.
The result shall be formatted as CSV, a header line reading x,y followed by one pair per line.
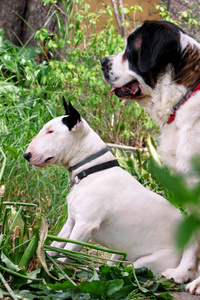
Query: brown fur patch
x,y
138,43
123,57
189,69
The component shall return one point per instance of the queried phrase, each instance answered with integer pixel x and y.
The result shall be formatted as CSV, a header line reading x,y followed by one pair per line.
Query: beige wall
x,y
149,11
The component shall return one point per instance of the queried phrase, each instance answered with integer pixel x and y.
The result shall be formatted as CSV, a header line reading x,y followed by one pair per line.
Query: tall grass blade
x,y
60,269
10,291
3,164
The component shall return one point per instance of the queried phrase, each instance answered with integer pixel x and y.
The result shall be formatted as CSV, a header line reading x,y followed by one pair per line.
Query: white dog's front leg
x,y
81,232
114,257
64,233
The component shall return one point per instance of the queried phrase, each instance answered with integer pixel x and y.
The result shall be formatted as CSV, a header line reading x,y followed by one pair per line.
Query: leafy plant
x,y
24,271
183,13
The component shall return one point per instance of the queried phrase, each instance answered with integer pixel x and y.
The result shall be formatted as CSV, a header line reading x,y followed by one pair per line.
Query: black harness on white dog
x,y
100,167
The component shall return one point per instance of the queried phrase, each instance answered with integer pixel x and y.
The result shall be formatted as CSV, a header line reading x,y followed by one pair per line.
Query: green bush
x,y
183,13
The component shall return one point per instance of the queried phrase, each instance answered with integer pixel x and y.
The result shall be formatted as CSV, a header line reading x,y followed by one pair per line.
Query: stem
x,y
10,291
19,203
58,239
16,252
76,255
20,245
18,274
144,290
61,270
116,13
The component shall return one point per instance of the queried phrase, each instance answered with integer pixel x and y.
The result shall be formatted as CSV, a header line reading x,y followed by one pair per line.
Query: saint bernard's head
x,y
152,49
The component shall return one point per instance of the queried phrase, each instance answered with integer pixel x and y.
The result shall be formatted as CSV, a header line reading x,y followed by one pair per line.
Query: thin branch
x,y
122,18
116,13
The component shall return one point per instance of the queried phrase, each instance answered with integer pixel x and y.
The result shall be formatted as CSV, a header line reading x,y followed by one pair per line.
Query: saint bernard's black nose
x,y
104,61
27,156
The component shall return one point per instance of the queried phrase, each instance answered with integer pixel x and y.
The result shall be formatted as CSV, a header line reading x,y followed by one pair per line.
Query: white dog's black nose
x,y
27,156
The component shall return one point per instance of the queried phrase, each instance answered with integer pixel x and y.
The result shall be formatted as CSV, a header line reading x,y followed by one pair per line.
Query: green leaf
x,y
141,271
123,293
9,264
18,281
175,184
186,229
166,296
24,294
184,14
125,10
12,151
152,150
114,286
67,285
30,251
95,287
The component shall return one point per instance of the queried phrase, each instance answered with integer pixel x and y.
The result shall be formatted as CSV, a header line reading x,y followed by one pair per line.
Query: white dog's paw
x,y
57,245
51,253
63,259
179,275
194,287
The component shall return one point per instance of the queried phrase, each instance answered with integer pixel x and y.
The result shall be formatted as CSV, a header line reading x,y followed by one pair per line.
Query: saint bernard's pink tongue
x,y
112,90
131,87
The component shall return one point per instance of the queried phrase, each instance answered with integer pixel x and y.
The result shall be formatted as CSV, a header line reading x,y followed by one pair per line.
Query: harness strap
x,y
88,159
192,90
94,169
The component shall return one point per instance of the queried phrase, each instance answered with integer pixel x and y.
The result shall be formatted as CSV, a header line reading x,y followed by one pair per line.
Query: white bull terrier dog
x,y
106,204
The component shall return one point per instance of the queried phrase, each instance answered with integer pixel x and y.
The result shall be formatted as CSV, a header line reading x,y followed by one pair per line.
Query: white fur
x,y
179,140
109,207
186,40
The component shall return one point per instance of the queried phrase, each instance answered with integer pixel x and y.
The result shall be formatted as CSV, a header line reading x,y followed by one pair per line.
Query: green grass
x,y
23,182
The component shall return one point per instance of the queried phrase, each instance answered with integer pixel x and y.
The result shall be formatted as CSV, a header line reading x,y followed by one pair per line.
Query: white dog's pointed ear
x,y
73,117
65,106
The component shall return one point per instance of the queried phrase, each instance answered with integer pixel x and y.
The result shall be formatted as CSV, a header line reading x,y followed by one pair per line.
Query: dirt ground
x,y
184,296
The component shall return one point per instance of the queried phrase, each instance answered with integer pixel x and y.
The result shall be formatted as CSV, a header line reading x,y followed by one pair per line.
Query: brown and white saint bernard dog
x,y
160,69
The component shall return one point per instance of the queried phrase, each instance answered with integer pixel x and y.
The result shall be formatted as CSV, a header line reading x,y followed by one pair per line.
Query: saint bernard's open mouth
x,y
129,91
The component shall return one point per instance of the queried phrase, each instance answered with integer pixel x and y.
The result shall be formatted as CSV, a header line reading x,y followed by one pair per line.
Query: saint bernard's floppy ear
x,y
160,45
73,117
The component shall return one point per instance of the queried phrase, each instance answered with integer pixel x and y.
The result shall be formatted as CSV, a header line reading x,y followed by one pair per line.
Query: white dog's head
x,y
55,143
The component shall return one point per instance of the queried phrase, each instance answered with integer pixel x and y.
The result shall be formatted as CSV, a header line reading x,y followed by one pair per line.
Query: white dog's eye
x,y
49,131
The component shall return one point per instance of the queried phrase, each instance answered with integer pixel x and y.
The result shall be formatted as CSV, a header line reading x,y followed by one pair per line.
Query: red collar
x,y
193,89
